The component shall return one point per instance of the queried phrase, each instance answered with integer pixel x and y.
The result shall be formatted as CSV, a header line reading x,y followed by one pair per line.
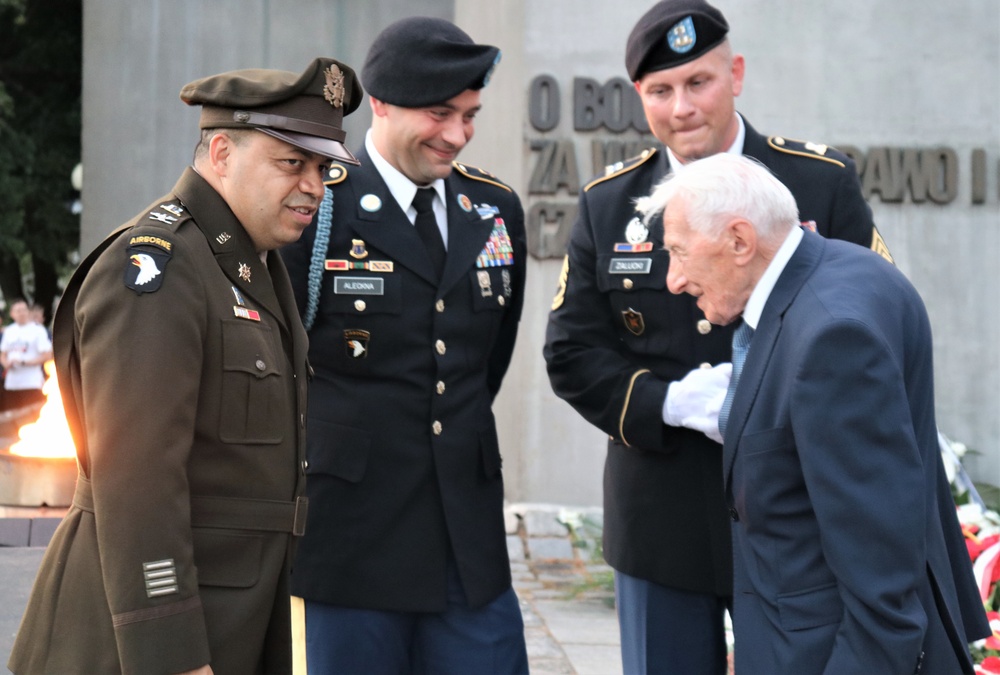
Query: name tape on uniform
x,y
631,266
359,285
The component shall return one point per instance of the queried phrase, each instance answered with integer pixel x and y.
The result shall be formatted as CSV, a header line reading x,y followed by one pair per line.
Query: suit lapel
x,y
467,235
799,268
386,228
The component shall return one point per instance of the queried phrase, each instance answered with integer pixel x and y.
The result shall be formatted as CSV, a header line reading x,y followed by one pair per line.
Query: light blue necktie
x,y
741,345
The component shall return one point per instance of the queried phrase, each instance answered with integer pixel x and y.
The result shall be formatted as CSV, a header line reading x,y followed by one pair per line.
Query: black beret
x,y
305,110
422,61
671,33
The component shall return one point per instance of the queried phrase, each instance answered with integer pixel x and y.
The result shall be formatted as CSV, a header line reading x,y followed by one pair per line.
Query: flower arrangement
x,y
981,527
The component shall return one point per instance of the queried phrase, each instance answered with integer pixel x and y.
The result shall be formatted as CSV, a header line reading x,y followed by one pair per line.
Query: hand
x,y
695,401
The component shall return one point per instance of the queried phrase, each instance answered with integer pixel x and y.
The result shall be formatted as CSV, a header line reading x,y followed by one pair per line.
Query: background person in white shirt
x,y
24,347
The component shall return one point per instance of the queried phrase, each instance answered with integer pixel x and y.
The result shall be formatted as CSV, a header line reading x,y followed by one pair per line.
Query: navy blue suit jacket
x,y
848,556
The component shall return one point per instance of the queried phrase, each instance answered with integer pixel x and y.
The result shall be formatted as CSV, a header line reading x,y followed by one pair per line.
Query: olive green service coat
x,y
185,392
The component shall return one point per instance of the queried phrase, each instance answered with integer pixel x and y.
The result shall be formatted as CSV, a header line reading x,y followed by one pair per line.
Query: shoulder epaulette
x,y
618,168
476,173
169,214
336,174
803,149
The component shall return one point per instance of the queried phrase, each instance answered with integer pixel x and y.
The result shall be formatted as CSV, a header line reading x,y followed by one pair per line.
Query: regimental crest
x,y
634,322
636,231
334,91
356,343
681,38
144,269
358,250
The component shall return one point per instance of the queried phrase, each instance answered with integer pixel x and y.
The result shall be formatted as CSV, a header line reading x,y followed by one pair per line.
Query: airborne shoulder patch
x,y
145,265
803,149
623,167
481,175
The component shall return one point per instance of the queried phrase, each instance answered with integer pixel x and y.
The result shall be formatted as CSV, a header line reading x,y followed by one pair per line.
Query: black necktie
x,y
427,228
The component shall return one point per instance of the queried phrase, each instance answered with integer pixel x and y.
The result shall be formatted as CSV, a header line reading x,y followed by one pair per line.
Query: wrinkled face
x,y
273,187
702,266
691,108
423,142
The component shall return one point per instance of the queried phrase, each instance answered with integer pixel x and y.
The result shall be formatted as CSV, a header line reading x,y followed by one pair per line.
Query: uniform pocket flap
x,y
810,608
337,450
226,559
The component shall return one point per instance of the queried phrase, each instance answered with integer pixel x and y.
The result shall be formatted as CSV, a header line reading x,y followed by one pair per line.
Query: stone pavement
x,y
565,590
569,618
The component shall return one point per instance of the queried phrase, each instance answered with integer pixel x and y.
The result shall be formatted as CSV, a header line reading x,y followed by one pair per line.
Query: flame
x,y
49,435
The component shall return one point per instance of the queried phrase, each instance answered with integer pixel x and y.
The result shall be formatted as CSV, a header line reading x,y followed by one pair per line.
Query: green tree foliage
x,y
41,46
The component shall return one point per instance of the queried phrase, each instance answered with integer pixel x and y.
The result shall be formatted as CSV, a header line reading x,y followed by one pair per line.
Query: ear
x,y
742,242
739,69
379,108
220,148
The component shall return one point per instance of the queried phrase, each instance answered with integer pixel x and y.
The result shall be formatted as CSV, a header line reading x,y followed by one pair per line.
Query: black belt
x,y
231,513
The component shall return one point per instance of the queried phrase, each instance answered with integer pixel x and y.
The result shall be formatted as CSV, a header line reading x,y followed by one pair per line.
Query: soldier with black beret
x,y
645,366
411,283
182,367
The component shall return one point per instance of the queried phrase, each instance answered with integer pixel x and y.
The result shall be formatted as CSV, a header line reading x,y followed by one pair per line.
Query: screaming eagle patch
x,y
145,266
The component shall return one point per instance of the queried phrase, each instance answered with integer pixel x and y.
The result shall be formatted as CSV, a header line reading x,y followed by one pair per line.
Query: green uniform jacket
x,y
185,392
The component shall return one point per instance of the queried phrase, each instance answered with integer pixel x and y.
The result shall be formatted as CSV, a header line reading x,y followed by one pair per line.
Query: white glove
x,y
695,401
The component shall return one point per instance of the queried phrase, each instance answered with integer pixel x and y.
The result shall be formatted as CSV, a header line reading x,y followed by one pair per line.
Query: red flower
x,y
991,664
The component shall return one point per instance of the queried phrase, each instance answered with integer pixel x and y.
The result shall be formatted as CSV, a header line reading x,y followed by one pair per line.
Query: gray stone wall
x,y
905,86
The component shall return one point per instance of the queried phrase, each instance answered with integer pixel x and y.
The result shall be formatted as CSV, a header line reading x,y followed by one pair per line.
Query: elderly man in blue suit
x,y
848,555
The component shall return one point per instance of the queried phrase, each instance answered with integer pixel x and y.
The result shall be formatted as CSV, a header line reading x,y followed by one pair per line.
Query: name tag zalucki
x,y
359,285
631,265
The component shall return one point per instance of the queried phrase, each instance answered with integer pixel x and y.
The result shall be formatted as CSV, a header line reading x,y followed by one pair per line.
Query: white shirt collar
x,y
735,149
402,188
762,291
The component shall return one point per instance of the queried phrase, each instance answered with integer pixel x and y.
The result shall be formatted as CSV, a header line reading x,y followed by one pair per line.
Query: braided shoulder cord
x,y
318,259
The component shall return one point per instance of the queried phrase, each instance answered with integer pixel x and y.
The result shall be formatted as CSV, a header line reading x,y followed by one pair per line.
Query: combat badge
x,y
633,321
485,286
146,265
356,343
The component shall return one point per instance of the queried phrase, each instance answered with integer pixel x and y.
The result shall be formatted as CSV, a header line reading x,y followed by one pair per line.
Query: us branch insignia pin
x,y
634,321
333,91
244,272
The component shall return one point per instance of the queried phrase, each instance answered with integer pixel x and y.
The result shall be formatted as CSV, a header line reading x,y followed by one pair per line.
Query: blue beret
x,y
671,33
421,61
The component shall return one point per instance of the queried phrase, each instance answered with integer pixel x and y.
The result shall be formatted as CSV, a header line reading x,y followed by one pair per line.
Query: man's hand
x,y
695,401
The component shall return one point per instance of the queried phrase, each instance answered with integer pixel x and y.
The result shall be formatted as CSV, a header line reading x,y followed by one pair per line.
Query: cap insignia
x,y
333,92
681,37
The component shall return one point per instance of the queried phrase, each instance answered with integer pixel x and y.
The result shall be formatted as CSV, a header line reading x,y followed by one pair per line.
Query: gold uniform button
x,y
501,300
260,365
439,305
360,305
704,327
440,387
439,346
627,284
437,428
706,366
